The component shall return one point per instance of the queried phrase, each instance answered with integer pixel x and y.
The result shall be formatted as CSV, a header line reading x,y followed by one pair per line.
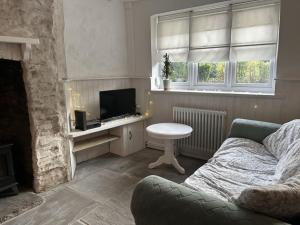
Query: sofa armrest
x,y
157,201
252,129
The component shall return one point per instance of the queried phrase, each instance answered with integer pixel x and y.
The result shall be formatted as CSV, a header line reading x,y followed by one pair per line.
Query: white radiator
x,y
208,131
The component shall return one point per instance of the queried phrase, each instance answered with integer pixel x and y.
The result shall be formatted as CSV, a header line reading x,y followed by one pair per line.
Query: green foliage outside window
x,y
253,72
179,72
211,72
246,72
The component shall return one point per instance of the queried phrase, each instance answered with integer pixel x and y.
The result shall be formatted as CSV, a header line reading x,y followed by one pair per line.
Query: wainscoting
x,y
84,94
259,108
282,107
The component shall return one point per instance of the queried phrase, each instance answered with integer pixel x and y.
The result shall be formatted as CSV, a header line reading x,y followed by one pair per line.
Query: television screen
x,y
115,103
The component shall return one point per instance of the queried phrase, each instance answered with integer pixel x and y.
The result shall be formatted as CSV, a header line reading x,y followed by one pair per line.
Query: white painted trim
x,y
94,142
107,126
214,6
24,43
73,161
288,79
19,40
223,93
103,78
26,50
127,1
141,78
96,77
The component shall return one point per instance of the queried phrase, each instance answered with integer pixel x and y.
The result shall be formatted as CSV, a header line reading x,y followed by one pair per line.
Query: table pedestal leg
x,y
168,158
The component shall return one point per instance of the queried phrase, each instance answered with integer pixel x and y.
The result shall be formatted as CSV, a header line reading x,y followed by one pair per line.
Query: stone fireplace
x,y
31,41
14,122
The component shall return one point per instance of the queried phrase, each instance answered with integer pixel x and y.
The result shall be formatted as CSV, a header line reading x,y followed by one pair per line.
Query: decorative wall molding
x,y
142,78
288,79
102,78
126,1
19,40
217,94
16,48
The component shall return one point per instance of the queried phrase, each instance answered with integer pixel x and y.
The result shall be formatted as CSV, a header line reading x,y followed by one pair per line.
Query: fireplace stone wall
x,y
42,19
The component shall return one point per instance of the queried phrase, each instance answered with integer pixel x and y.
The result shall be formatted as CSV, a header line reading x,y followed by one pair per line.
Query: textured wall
x,y
95,38
42,19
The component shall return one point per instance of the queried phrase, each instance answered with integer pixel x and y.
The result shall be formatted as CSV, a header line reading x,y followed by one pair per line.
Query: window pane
x,y
211,72
180,72
256,72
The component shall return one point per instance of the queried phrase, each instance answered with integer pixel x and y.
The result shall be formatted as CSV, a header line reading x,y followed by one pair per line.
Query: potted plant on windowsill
x,y
166,72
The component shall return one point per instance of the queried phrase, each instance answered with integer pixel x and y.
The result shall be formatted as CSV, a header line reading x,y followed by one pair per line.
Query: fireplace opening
x,y
14,122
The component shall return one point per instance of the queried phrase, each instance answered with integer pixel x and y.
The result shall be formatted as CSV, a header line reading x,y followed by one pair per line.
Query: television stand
x,y
124,136
117,118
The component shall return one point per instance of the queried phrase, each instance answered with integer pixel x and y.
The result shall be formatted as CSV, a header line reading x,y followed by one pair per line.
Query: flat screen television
x,y
117,103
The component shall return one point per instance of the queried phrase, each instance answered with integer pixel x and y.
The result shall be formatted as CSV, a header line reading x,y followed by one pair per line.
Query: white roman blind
x,y
210,35
254,34
229,46
173,36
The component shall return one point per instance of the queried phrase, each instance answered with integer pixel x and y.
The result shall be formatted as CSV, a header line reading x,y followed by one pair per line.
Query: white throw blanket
x,y
238,164
264,178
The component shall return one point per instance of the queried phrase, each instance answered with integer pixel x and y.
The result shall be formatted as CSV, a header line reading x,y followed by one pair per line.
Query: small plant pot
x,y
167,84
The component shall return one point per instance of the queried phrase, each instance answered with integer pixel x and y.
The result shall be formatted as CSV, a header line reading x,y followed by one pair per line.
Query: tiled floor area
x,y
101,191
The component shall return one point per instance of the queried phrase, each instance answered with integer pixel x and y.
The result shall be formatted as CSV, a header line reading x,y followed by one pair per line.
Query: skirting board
x,y
155,145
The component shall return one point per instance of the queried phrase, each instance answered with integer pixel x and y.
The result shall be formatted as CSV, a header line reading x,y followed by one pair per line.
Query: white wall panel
x,y
88,91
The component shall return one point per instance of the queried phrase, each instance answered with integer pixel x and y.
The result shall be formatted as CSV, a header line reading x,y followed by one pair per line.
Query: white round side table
x,y
169,132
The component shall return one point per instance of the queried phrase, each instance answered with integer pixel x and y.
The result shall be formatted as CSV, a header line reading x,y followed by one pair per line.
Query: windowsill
x,y
221,93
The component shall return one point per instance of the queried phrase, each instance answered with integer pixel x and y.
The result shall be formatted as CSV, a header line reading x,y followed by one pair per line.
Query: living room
x,y
113,109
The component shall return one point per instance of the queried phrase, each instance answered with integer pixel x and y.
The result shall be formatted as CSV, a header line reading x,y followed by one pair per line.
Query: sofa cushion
x,y
289,164
278,142
238,164
279,200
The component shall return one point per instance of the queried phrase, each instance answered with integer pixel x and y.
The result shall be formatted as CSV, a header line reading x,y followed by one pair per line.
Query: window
x,y
226,46
180,72
211,73
252,72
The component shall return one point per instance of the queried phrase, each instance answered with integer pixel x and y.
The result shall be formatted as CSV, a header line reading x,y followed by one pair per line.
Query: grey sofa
x,y
157,201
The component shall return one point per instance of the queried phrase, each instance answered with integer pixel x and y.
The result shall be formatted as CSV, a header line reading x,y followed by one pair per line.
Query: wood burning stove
x,y
14,122
8,184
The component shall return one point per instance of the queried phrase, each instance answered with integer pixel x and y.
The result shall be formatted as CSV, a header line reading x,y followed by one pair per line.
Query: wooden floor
x,y
101,191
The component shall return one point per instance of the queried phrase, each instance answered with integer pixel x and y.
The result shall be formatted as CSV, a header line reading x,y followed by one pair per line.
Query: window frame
x,y
192,83
257,85
206,84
